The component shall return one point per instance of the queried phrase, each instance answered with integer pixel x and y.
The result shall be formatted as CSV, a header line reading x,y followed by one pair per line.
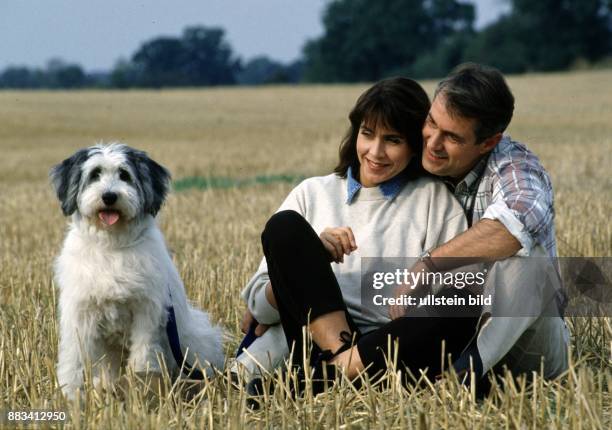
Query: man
x,y
508,199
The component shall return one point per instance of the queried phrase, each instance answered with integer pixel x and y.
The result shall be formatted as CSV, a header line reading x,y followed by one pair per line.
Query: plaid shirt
x,y
515,190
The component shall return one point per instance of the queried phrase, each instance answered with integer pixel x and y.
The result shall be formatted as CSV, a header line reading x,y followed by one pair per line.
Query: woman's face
x,y
382,154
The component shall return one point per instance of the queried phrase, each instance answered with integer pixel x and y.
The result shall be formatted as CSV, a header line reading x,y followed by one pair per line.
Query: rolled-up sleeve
x,y
523,202
254,294
500,212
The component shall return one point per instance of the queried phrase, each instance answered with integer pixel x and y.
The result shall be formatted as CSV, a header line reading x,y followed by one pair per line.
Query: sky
x,y
96,33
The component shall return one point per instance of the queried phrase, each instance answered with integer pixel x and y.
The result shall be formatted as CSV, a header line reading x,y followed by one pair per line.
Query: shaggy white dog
x,y
116,278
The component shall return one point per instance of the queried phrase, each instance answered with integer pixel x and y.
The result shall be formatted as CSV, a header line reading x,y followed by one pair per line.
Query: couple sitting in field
x,y
413,180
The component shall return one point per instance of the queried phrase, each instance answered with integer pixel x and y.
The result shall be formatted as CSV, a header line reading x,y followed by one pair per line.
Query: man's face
x,y
449,142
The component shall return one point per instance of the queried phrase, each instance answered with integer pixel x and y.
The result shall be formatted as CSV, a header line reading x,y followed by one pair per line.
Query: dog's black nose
x,y
109,198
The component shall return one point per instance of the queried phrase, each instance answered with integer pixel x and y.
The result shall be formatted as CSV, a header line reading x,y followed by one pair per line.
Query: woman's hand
x,y
339,241
247,320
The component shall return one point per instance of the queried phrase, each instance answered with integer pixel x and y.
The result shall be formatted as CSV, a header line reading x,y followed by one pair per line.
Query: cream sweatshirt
x,y
423,215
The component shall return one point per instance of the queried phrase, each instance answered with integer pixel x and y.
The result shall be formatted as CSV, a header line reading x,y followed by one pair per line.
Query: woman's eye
x,y
124,176
394,140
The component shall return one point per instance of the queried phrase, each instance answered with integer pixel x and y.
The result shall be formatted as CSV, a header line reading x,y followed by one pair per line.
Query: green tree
x,y
158,63
261,70
207,58
560,32
200,57
60,74
502,45
365,40
19,77
57,74
545,35
125,74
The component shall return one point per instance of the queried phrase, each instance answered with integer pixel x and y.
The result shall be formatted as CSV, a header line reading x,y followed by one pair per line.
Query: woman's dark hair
x,y
398,104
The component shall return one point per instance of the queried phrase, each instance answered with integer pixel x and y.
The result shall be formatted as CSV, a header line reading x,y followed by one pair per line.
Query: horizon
x,y
71,30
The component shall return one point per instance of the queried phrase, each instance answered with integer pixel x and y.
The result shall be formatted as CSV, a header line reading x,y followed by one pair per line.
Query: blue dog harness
x,y
175,345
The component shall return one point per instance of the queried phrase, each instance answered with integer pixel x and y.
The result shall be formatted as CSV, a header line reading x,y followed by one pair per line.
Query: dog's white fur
x,y
116,281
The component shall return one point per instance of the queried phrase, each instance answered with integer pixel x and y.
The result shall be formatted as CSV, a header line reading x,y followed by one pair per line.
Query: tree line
x,y
362,41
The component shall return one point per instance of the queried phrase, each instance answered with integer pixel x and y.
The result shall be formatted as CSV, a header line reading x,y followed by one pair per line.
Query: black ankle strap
x,y
327,355
347,342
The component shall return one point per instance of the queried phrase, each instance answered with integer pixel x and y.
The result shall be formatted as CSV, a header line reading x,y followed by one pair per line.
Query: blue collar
x,y
389,189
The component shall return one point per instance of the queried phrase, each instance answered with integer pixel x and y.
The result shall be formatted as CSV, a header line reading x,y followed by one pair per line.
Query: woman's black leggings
x,y
305,288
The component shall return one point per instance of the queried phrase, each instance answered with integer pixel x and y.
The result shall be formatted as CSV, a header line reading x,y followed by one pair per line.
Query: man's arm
x,y
487,239
519,215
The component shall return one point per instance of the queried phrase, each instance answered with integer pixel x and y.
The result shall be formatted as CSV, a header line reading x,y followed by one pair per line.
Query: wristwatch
x,y
426,259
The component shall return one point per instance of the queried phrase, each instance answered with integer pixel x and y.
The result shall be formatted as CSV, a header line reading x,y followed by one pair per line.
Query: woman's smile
x,y
382,154
376,167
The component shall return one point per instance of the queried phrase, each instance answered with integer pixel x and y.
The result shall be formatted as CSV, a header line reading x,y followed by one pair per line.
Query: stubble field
x,y
233,134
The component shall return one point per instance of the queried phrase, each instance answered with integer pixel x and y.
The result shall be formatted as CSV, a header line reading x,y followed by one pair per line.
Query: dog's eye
x,y
124,175
95,174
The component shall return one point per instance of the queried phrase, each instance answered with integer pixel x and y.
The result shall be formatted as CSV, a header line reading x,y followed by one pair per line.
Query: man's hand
x,y
339,241
398,311
247,320
416,291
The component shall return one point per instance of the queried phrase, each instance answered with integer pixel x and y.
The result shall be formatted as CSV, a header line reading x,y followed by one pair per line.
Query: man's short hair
x,y
478,92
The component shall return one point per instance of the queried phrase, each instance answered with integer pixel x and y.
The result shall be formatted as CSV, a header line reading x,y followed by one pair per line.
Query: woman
x,y
377,203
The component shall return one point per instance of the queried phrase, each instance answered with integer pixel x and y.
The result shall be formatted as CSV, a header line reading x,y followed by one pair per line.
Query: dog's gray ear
x,y
154,178
66,177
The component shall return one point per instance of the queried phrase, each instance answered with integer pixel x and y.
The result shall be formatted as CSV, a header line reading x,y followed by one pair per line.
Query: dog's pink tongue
x,y
109,217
